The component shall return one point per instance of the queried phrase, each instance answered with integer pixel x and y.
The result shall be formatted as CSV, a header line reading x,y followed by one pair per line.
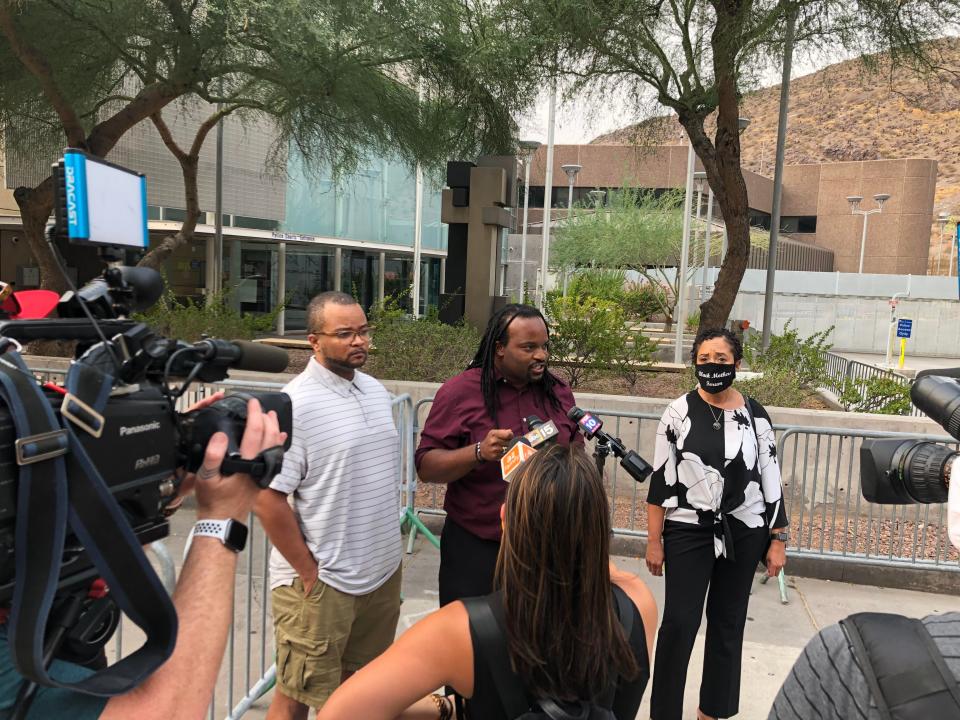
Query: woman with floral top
x,y
715,509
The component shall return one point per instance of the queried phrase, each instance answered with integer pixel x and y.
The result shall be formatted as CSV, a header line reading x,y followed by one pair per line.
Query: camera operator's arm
x,y
183,686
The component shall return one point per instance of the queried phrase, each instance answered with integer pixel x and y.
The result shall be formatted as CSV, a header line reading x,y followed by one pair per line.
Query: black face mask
x,y
716,377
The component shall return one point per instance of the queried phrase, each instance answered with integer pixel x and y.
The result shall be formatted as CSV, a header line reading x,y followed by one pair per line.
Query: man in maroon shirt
x,y
473,418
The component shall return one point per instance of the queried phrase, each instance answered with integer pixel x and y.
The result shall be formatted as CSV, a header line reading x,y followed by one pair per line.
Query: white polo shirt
x,y
343,473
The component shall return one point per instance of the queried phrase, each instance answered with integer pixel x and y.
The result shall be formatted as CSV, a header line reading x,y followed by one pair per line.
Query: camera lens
x,y
939,398
922,466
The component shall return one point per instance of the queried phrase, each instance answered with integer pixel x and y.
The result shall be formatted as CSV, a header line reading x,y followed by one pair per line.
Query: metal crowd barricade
x,y
839,370
829,517
820,466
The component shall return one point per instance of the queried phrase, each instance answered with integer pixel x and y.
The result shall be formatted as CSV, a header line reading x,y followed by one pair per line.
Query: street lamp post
x,y
527,149
698,178
598,197
571,169
942,220
855,200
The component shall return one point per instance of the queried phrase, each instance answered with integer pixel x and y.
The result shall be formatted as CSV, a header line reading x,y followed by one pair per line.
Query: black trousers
x,y
467,563
690,566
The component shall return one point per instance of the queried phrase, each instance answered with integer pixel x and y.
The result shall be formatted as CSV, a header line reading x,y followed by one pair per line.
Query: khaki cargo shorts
x,y
329,632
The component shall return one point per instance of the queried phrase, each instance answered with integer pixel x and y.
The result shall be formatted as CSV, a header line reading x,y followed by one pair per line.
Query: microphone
x,y
523,448
519,452
592,427
242,355
540,431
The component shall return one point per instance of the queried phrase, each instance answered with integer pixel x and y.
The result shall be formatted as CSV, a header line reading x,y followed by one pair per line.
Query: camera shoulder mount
x,y
58,486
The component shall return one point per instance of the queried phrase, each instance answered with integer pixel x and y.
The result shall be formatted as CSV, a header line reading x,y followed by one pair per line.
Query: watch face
x,y
236,536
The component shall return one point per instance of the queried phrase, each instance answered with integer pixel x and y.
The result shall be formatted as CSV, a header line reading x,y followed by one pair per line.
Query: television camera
x,y
89,469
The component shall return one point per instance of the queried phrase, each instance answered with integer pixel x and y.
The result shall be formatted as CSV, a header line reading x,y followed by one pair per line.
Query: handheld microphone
x,y
540,431
592,427
523,448
518,453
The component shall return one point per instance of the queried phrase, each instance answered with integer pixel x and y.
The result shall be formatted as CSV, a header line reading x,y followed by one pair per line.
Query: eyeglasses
x,y
349,335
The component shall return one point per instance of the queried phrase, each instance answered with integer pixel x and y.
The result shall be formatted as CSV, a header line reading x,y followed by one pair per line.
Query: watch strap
x,y
231,533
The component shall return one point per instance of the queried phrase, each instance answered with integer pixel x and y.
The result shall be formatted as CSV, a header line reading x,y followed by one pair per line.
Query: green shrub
x,y
588,334
424,350
643,300
634,358
190,319
881,395
600,284
693,321
777,388
791,353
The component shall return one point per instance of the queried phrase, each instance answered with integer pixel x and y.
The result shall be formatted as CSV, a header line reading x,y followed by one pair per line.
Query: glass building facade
x,y
354,233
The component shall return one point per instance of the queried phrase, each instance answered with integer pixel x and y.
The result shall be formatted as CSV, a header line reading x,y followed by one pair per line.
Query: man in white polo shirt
x,y
335,566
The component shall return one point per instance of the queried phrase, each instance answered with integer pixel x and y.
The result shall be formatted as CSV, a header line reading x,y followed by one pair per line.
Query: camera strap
x,y
58,484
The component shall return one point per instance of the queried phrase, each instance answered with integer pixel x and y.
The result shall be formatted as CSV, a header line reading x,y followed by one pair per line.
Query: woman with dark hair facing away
x,y
715,509
560,610
472,421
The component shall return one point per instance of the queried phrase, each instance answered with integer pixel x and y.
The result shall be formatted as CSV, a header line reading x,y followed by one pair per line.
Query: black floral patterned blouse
x,y
704,473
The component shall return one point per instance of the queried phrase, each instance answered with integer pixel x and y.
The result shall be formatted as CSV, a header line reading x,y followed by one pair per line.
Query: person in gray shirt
x,y
827,682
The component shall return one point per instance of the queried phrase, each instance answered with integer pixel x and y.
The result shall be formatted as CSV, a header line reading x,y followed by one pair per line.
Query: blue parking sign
x,y
904,327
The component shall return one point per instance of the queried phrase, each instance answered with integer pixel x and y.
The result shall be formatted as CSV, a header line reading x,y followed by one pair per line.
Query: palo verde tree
x,y
638,231
697,58
421,80
120,62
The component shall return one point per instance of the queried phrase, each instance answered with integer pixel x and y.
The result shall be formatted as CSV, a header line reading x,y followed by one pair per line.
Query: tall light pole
x,y
698,178
571,169
778,181
679,319
955,248
855,200
526,150
708,228
547,197
942,220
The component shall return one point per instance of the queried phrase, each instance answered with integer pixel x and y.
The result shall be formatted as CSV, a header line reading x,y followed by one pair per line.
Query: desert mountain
x,y
847,112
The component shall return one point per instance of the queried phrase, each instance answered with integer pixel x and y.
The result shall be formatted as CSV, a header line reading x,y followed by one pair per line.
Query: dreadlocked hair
x,y
497,332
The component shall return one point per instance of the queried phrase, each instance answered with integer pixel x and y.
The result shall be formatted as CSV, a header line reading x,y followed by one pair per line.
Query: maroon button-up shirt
x,y
459,418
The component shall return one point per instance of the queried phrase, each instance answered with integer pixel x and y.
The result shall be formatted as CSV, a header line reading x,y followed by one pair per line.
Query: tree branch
x,y
36,64
158,122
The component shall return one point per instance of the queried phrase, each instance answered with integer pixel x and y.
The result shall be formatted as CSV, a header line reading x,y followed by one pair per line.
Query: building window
x,y
759,219
255,223
309,273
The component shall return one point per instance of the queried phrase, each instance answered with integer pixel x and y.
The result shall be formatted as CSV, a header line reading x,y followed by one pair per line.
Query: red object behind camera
x,y
27,304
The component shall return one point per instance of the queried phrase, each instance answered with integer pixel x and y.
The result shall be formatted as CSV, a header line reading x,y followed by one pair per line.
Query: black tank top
x,y
485,703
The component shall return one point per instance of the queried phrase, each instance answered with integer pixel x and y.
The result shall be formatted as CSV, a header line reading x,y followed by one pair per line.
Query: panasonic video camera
x,y
136,440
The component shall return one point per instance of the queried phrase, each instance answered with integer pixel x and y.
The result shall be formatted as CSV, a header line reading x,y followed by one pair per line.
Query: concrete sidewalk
x,y
775,633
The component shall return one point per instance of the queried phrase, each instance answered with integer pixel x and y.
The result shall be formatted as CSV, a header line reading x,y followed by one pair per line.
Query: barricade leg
x,y
416,524
262,687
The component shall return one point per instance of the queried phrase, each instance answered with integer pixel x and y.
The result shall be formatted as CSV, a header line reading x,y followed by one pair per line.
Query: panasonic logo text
x,y
137,429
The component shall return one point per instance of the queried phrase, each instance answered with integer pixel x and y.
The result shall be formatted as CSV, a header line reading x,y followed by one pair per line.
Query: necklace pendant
x,y
716,424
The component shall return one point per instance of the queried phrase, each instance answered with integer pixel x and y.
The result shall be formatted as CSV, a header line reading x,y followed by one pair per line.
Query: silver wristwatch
x,y
783,537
